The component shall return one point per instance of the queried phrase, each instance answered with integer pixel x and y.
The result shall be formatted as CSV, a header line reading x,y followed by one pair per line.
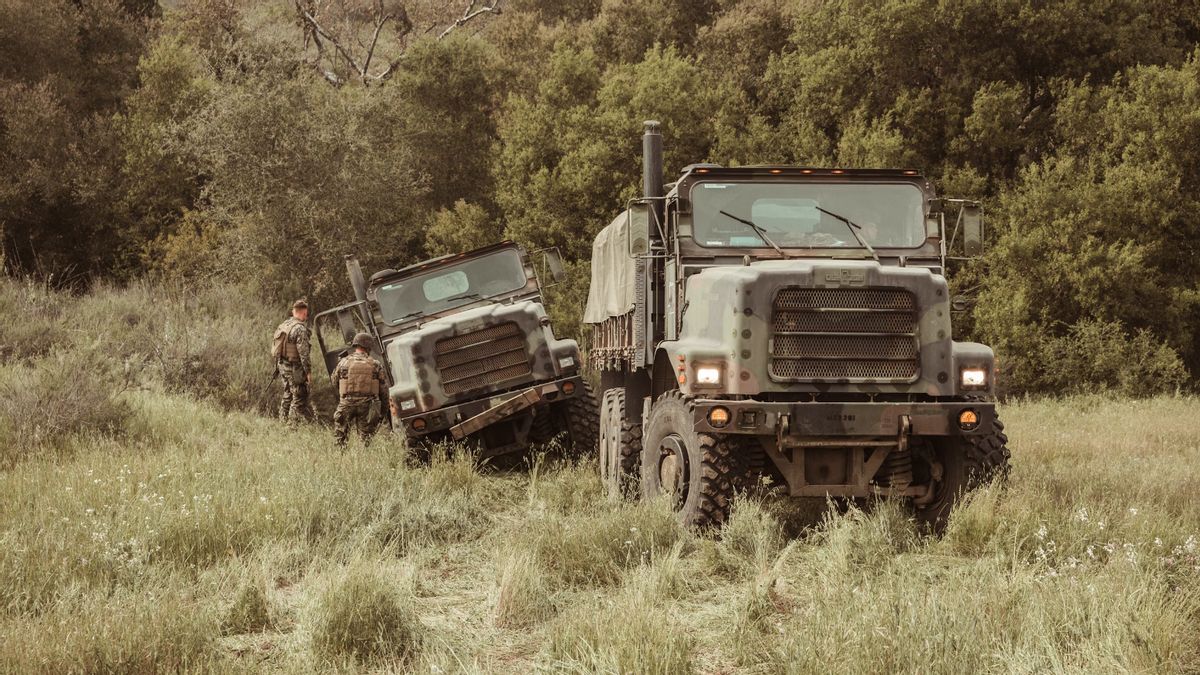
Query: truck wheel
x,y
582,421
966,463
620,447
697,469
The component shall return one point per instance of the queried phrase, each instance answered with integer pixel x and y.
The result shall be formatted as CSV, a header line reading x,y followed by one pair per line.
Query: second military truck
x,y
788,322
469,351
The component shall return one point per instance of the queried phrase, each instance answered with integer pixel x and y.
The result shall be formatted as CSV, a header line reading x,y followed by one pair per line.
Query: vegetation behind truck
x,y
792,322
469,351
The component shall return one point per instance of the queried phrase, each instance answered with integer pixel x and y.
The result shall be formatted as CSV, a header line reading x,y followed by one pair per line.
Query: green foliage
x,y
462,227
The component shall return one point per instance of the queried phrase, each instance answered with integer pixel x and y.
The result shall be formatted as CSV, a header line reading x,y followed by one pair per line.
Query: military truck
x,y
469,350
789,322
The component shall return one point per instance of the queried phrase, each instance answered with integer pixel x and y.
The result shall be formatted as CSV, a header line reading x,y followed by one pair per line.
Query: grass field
x,y
205,540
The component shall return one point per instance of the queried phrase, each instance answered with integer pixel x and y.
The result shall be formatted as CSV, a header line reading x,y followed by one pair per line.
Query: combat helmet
x,y
363,340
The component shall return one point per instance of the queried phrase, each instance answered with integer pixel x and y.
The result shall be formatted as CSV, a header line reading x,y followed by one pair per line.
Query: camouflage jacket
x,y
298,335
359,375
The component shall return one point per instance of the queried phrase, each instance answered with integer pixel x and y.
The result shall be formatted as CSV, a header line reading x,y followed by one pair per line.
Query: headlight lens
x,y
408,404
708,375
566,362
974,377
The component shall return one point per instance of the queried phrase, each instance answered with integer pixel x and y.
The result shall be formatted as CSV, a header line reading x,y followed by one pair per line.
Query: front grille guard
x,y
860,334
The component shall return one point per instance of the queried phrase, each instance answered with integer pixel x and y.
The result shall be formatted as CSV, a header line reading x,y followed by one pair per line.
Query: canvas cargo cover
x,y
612,290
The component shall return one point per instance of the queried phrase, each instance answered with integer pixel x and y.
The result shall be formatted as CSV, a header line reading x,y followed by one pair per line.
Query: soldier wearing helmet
x,y
290,347
360,382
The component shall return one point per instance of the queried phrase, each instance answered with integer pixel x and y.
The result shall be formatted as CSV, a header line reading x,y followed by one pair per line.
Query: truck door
x,y
335,329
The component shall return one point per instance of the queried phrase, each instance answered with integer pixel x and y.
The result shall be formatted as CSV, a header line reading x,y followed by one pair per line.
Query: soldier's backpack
x,y
280,348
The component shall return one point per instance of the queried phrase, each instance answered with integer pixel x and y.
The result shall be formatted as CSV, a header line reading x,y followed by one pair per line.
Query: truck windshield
x,y
797,215
446,287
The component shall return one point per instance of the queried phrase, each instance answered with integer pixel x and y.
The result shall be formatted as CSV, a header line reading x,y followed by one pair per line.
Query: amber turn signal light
x,y
968,419
568,388
718,417
418,424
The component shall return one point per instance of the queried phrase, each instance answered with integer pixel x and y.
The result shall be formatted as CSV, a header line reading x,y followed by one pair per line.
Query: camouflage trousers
x,y
355,411
296,403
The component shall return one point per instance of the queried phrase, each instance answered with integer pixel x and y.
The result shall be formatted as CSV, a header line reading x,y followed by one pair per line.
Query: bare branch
x,y
321,32
489,7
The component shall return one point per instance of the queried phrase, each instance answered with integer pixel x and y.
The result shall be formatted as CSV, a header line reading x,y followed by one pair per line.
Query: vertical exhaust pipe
x,y
652,160
359,282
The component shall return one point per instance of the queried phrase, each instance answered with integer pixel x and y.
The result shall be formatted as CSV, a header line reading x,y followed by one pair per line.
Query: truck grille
x,y
482,358
844,334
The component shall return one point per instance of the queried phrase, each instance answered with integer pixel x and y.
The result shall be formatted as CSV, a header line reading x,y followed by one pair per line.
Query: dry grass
x,y
192,538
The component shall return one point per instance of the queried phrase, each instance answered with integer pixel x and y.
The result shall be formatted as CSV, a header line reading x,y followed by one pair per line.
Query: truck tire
x,y
578,416
698,469
620,447
967,463
582,421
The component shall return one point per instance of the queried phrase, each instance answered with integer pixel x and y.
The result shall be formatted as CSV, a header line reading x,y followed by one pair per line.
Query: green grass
x,y
148,551
183,535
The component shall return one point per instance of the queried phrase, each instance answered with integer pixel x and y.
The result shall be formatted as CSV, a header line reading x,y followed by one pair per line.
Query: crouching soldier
x,y
360,383
290,347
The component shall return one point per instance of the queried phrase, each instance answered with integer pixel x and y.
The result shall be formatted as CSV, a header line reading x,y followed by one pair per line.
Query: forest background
x,y
228,142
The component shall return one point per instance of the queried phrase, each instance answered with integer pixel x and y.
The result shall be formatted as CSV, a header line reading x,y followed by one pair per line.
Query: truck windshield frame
x,y
795,214
445,287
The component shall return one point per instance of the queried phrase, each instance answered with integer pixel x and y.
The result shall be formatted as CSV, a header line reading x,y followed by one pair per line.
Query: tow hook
x,y
782,429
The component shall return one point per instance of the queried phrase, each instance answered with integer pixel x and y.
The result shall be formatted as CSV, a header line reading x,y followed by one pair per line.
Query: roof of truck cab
x,y
443,259
788,170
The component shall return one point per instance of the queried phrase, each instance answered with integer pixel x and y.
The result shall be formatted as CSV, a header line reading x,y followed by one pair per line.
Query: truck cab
x,y
469,351
793,322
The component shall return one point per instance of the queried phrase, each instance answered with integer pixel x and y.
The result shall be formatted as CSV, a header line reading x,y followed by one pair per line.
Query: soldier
x,y
360,382
291,351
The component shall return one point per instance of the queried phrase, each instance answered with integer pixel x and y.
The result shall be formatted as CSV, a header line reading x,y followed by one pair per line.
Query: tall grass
x,y
162,529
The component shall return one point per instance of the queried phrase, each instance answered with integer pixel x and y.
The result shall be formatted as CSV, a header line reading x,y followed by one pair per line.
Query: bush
x,y
362,617
55,397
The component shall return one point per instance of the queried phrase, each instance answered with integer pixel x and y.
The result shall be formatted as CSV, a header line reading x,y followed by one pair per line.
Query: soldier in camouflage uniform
x,y
291,351
360,383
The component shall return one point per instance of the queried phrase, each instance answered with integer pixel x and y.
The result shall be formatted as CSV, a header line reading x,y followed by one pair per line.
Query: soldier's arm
x,y
303,347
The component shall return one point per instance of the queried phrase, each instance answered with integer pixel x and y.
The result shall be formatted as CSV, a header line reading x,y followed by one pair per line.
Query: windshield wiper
x,y
854,228
757,230
465,296
409,316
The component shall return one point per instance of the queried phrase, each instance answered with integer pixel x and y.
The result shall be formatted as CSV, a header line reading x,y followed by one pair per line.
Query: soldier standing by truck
x,y
360,383
290,347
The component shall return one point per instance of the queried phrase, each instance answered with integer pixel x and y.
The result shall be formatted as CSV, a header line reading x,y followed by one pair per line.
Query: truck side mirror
x,y
972,218
637,231
554,262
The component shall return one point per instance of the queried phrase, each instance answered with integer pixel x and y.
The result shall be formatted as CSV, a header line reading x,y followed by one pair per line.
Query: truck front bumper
x,y
466,418
839,420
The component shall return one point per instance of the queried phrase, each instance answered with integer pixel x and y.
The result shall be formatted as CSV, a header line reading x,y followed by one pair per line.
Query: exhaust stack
x,y
652,160
359,282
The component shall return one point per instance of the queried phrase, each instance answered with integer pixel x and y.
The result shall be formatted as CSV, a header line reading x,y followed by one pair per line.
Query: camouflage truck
x,y
469,350
789,322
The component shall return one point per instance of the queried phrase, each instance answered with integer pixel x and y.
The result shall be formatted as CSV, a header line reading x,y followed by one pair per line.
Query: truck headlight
x,y
708,375
566,362
408,404
974,378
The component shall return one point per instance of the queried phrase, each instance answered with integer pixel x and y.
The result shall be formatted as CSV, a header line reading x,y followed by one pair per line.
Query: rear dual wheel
x,y
620,447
